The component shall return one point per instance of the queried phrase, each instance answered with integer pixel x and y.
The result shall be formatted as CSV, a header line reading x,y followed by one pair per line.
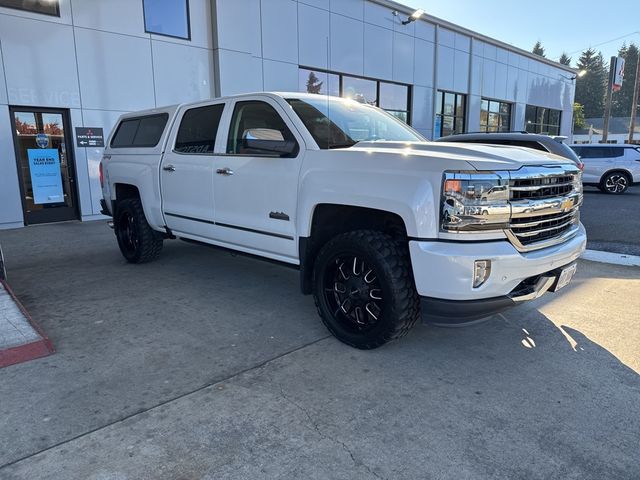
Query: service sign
x,y
46,178
89,137
618,74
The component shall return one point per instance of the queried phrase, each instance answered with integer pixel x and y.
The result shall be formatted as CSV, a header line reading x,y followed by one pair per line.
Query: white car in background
x,y
611,168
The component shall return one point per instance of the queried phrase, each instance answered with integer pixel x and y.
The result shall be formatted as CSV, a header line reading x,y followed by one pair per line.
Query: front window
x,y
335,123
450,114
167,17
495,116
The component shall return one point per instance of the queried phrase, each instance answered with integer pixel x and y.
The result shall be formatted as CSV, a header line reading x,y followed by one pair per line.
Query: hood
x,y
479,156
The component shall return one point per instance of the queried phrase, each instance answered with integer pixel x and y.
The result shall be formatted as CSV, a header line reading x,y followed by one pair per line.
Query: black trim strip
x,y
226,225
245,229
453,240
210,222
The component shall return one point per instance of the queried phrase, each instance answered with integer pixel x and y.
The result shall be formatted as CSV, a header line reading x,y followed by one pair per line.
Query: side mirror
x,y
267,141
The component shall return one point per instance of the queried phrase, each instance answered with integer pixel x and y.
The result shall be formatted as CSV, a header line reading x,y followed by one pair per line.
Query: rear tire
x,y
615,183
364,289
138,242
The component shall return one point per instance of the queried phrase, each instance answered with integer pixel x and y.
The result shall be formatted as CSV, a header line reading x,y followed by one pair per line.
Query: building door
x,y
44,154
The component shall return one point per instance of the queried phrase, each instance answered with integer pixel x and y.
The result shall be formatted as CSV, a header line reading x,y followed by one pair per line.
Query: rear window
x,y
140,131
198,129
599,152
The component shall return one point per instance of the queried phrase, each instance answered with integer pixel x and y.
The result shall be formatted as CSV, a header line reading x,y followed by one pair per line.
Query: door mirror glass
x,y
267,141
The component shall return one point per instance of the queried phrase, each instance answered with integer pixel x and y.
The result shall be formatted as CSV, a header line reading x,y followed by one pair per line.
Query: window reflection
x,y
167,17
450,111
392,97
495,116
542,120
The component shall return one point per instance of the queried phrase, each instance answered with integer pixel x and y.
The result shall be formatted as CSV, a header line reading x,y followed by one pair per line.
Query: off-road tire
x,y
390,261
148,243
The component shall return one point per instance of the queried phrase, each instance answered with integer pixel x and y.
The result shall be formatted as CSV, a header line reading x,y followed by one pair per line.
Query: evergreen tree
x,y
621,100
591,88
538,49
578,117
565,59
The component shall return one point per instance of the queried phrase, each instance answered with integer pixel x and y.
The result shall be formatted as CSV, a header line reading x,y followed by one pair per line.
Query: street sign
x,y
89,137
618,75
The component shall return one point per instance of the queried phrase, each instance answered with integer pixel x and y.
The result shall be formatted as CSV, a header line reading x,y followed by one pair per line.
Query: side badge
x,y
279,216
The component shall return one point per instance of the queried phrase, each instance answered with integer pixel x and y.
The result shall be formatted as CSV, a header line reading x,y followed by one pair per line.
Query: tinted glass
x,y
125,134
394,97
311,81
360,90
167,17
140,132
48,7
198,129
250,115
339,124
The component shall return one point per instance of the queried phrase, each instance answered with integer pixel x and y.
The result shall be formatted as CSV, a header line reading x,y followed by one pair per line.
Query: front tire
x,y
138,242
615,183
364,290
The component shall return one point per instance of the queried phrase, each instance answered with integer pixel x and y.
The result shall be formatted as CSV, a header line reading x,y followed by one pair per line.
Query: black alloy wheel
x,y
353,292
364,290
138,242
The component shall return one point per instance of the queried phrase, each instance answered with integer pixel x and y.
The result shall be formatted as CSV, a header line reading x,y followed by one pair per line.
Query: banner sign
x,y
618,74
89,137
46,177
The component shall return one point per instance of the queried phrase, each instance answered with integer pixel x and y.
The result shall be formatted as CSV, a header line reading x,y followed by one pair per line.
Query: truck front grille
x,y
545,205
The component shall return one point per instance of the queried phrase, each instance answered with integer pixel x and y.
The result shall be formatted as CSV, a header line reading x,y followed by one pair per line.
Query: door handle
x,y
169,168
224,171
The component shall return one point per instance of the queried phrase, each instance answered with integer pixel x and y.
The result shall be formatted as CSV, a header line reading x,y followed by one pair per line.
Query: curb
x,y
611,258
28,351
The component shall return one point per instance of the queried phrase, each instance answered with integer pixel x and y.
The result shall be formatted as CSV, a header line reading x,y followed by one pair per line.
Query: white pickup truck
x,y
383,225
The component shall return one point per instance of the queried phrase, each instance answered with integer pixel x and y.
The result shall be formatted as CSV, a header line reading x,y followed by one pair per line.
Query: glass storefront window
x,y
167,17
360,90
46,7
542,120
392,97
495,116
313,81
450,111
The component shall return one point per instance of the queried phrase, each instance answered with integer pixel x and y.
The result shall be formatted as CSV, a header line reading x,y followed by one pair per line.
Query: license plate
x,y
565,276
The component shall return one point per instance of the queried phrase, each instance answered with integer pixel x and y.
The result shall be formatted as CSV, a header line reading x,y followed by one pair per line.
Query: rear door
x,y
256,192
597,160
187,170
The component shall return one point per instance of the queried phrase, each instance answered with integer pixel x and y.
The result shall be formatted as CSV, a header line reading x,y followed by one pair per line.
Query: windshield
x,y
341,123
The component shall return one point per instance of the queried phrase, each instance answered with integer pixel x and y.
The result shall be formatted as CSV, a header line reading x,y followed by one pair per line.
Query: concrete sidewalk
x,y
204,365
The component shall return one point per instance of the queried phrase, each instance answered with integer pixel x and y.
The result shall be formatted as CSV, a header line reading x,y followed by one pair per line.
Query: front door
x,y
255,192
46,170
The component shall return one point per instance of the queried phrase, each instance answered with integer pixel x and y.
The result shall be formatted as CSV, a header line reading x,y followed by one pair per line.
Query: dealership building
x,y
69,68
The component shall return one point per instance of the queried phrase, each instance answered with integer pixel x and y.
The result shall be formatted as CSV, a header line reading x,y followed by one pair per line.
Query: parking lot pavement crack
x,y
316,428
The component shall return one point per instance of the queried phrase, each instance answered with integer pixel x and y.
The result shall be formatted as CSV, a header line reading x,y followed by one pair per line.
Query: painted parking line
x,y
613,258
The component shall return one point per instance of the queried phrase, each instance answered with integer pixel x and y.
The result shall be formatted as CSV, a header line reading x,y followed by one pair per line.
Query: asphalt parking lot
x,y
612,221
209,365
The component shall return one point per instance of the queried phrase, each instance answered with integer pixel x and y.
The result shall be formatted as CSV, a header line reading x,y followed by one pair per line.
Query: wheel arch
x,y
329,220
624,171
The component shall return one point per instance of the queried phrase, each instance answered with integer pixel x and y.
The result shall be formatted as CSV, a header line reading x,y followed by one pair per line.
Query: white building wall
x,y
97,61
364,38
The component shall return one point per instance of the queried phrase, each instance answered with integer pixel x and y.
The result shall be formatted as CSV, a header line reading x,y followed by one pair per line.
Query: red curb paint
x,y
28,351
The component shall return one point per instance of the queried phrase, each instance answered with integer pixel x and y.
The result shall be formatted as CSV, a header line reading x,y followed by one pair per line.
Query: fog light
x,y
481,272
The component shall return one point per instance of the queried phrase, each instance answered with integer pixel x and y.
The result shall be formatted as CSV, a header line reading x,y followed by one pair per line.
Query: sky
x,y
561,25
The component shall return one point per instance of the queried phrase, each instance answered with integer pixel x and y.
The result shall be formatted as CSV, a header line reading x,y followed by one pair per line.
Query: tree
x,y
565,59
314,85
621,100
591,87
538,49
578,117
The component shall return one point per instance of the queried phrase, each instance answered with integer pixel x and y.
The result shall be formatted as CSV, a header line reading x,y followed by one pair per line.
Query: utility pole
x,y
607,105
634,103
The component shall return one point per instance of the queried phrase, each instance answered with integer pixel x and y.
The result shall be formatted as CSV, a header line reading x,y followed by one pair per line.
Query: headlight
x,y
473,202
